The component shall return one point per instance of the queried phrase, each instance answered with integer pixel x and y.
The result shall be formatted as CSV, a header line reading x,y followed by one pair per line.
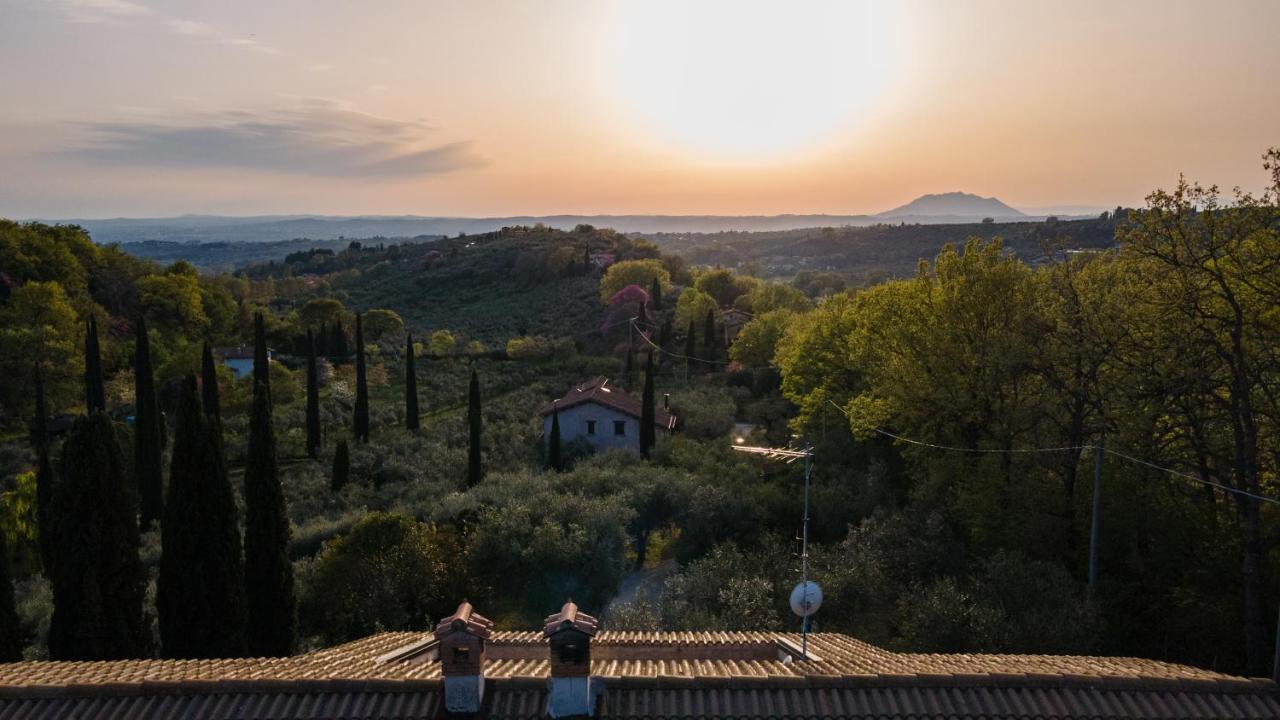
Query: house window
x,y
619,427
591,427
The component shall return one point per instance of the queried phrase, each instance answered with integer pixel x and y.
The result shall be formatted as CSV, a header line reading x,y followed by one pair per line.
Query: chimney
x,y
462,638
666,401
569,634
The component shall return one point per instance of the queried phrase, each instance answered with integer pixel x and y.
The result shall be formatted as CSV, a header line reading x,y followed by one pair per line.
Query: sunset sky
x,y
144,108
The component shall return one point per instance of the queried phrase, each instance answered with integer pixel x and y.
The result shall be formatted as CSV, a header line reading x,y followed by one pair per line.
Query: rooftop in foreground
x,y
640,675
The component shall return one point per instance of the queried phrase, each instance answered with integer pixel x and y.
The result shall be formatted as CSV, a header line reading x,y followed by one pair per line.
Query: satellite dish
x,y
806,598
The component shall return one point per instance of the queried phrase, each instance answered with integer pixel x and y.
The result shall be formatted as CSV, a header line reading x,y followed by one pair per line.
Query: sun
x,y
748,80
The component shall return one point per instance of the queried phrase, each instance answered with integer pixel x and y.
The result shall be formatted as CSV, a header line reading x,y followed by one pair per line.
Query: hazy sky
x,y
143,107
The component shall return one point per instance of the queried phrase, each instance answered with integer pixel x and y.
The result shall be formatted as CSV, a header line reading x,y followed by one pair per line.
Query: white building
x,y
605,416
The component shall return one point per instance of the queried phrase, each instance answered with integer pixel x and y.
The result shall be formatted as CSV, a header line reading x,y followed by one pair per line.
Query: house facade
x,y
604,416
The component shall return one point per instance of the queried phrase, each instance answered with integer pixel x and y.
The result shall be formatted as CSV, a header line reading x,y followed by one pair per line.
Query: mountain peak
x,y
953,204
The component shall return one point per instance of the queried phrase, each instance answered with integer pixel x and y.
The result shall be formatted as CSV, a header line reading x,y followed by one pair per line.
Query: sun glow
x,y
746,80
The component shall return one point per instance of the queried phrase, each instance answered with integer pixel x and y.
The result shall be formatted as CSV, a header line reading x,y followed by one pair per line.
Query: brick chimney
x,y
569,634
462,638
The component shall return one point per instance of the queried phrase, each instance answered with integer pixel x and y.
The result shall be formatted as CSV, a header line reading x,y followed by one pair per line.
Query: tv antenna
x,y
806,598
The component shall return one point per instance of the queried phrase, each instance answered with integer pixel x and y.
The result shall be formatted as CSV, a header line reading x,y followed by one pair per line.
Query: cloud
x,y
315,138
104,12
209,32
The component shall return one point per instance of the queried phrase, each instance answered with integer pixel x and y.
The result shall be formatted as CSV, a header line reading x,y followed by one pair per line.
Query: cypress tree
x,y
361,420
655,294
146,445
322,342
94,389
98,579
338,341
44,472
341,466
268,575
709,336
209,385
647,421
10,629
200,594
689,348
474,471
313,399
410,387
553,443
629,368
664,337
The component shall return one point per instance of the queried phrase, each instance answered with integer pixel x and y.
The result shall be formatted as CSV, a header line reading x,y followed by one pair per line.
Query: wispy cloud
x,y
210,32
316,138
121,12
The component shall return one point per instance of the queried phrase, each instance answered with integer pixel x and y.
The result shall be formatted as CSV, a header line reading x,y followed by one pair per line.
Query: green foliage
x,y
38,328
95,399
389,572
19,521
381,324
724,287
770,297
11,640
360,418
692,307
98,579
475,471
200,593
341,473
147,441
411,412
757,341
632,272
539,348
442,343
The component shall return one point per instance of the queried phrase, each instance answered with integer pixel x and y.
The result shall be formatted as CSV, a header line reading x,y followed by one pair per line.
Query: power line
x,y
1107,450
664,351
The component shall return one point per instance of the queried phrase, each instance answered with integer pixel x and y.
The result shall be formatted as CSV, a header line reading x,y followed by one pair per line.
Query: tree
x,y
632,272
723,286
341,466
147,444
554,460
475,472
689,349
655,294
410,387
94,389
200,593
44,474
629,368
755,344
313,399
322,342
98,579
338,341
361,416
272,609
388,572
692,306
380,324
321,311
711,348
442,343
11,641
39,327
209,384
647,421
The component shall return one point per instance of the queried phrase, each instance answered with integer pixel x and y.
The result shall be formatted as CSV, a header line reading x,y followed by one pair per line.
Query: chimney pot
x,y
569,634
462,638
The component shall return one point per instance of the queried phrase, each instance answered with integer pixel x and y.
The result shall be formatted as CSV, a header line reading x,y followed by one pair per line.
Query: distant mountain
x,y
954,206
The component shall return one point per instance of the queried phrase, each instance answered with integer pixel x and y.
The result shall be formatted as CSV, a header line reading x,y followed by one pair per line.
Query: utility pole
x,y
1093,529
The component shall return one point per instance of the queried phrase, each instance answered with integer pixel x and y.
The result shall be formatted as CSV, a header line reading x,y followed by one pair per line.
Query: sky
x,y
138,108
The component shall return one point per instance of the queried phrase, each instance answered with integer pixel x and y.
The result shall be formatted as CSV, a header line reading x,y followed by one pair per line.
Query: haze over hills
x,y
927,210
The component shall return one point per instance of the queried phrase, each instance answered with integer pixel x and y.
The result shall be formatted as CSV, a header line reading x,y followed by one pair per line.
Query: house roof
x,y
599,392
645,675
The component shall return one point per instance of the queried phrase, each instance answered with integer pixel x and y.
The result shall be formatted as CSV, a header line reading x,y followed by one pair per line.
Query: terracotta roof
x,y
465,618
599,392
645,675
570,618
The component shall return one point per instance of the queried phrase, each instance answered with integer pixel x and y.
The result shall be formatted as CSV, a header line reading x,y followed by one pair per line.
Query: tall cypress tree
x,y
341,466
10,629
98,579
95,397
44,473
322,342
647,421
709,337
338,340
410,387
689,349
475,472
209,384
313,399
655,294
361,419
629,368
146,445
553,443
271,630
200,594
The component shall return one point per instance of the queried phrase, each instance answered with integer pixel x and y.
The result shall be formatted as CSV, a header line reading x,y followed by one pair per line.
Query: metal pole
x,y
1097,501
804,556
